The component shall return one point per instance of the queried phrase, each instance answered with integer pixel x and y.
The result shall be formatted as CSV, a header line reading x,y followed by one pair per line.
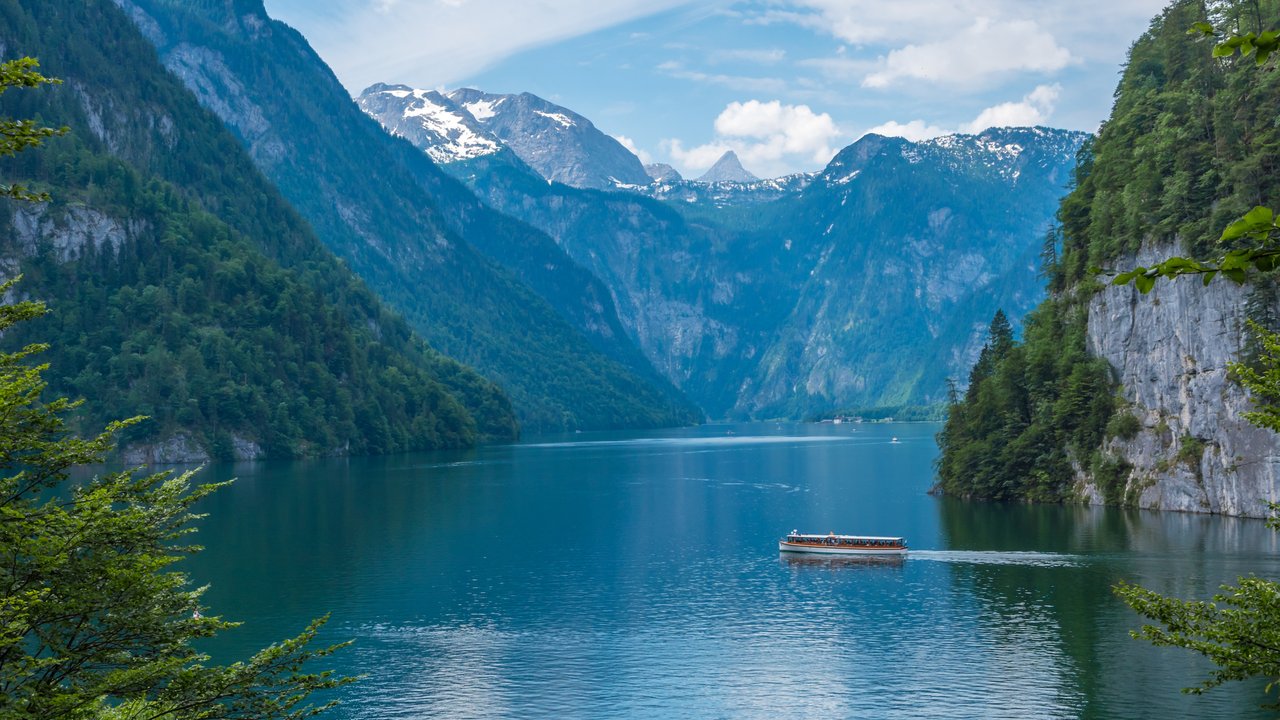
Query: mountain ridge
x,y
684,272
428,246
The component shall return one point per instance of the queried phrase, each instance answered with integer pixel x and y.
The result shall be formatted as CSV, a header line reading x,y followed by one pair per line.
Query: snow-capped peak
x,y
447,132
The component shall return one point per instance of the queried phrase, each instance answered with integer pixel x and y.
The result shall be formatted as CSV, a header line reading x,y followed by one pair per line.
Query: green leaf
x,y
1144,283
1201,28
1260,215
1236,274
1208,277
1222,50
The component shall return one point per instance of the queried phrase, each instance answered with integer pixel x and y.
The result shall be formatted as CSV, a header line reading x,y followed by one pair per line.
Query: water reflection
x,y
596,576
800,560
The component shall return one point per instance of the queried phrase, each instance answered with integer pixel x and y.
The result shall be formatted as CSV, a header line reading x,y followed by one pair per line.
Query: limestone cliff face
x,y
1170,349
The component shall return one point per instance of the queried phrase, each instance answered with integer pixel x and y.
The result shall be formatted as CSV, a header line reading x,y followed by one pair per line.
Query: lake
x,y
638,575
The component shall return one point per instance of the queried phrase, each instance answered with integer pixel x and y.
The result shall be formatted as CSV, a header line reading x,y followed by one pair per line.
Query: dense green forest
x,y
1191,145
481,287
181,284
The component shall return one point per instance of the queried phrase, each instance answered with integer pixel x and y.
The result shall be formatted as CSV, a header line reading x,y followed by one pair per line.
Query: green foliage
x,y
1111,475
1239,630
1124,426
416,235
1259,225
1030,408
19,135
1188,150
94,622
1262,378
1190,452
189,291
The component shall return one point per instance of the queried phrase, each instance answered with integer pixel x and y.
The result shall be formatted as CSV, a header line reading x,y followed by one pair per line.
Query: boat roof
x,y
843,537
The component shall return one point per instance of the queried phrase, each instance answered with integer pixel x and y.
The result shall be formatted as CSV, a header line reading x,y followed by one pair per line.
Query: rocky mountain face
x,y
1195,452
866,284
559,144
183,287
1184,154
905,249
728,169
662,172
478,285
431,120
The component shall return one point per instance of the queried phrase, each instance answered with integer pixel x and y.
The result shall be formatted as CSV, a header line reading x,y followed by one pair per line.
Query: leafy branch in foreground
x,y
1260,225
93,623
1260,45
93,620
19,135
1239,630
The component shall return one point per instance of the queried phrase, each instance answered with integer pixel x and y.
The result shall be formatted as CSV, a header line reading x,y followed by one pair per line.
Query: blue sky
x,y
785,83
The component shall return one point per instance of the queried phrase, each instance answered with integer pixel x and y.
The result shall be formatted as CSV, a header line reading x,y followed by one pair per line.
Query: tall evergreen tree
x,y
93,623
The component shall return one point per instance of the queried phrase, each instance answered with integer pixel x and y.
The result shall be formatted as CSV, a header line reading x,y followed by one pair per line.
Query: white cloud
x,y
1035,108
769,137
914,130
696,158
741,83
428,43
630,144
983,50
948,41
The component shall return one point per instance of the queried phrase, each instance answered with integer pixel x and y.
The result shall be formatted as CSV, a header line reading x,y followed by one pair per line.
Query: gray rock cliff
x,y
1170,349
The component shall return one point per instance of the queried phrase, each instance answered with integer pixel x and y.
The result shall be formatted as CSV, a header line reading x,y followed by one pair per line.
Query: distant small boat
x,y
832,544
894,441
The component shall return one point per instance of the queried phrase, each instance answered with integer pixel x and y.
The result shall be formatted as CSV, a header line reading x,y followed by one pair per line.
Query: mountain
x,y
559,144
908,248
1126,398
727,169
479,286
182,286
865,284
662,172
430,119
697,196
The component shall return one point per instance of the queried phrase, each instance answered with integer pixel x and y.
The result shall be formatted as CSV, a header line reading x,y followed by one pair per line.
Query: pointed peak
x,y
728,169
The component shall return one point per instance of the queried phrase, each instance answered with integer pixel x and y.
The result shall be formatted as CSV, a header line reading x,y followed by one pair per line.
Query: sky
x,y
784,83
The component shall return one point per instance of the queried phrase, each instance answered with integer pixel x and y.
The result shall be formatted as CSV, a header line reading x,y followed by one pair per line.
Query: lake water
x,y
637,575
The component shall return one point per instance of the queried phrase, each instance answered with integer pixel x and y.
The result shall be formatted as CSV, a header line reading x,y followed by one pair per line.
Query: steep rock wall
x,y
1170,349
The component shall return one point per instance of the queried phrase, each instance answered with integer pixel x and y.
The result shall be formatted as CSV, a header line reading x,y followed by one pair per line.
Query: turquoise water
x,y
637,575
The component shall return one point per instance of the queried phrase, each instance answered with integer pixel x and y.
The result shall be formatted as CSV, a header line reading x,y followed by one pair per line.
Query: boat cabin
x,y
851,541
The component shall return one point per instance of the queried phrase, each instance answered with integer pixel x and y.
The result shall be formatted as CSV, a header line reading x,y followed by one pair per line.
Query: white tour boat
x,y
832,544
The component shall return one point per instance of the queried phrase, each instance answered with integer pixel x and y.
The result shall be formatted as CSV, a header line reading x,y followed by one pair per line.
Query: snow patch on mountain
x,y
561,120
447,131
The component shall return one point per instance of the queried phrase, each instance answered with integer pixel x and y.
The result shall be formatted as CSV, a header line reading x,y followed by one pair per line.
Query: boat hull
x,y
785,546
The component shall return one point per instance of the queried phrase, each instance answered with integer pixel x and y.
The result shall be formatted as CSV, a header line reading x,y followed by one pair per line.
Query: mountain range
x,y
868,283
500,253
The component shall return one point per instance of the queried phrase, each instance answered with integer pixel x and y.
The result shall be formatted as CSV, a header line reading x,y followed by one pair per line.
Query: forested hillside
x,y
483,288
181,284
1117,396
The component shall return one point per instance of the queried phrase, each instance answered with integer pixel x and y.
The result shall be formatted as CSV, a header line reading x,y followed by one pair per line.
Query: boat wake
x,y
995,557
